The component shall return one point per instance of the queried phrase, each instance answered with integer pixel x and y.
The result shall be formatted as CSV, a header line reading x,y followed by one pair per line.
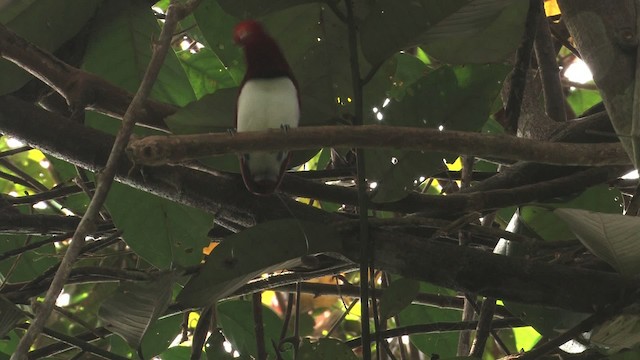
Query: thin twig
x,y
464,338
549,71
259,326
363,200
104,181
585,325
483,329
34,245
51,194
518,76
287,317
439,327
15,151
33,183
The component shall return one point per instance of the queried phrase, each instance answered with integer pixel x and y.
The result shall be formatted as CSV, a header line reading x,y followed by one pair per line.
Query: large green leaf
x,y
10,314
206,72
258,8
162,232
236,320
160,335
31,264
217,29
325,348
619,333
261,249
119,50
393,25
179,353
135,306
444,344
611,237
456,98
397,296
212,113
8,344
45,23
546,224
492,44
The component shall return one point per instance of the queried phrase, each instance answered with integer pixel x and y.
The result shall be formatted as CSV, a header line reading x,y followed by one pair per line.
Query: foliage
x,y
162,252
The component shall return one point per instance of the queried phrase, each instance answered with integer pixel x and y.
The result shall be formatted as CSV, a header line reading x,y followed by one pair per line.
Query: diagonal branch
x,y
104,181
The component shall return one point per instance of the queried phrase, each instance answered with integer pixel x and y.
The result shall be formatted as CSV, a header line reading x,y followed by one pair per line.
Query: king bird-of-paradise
x,y
268,99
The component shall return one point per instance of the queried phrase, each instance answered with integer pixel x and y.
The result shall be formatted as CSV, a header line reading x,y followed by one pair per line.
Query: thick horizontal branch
x,y
227,197
451,266
157,150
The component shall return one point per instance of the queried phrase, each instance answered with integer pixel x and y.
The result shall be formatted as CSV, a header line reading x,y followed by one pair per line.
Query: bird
x,y
268,98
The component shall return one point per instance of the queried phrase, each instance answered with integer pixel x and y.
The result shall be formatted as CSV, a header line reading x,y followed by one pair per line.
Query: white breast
x,y
268,104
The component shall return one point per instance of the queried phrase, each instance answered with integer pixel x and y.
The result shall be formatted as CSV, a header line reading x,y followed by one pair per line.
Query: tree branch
x,y
156,150
554,100
236,208
606,35
104,180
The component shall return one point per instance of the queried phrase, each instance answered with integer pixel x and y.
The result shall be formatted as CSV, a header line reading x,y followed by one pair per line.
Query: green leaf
x,y
236,320
162,232
546,321
31,264
10,314
160,335
325,348
626,355
258,8
549,227
270,246
212,113
179,353
394,25
9,344
492,44
409,69
45,23
397,296
444,344
581,99
456,97
619,333
214,347
135,306
206,72
120,48
217,29
315,44
611,237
